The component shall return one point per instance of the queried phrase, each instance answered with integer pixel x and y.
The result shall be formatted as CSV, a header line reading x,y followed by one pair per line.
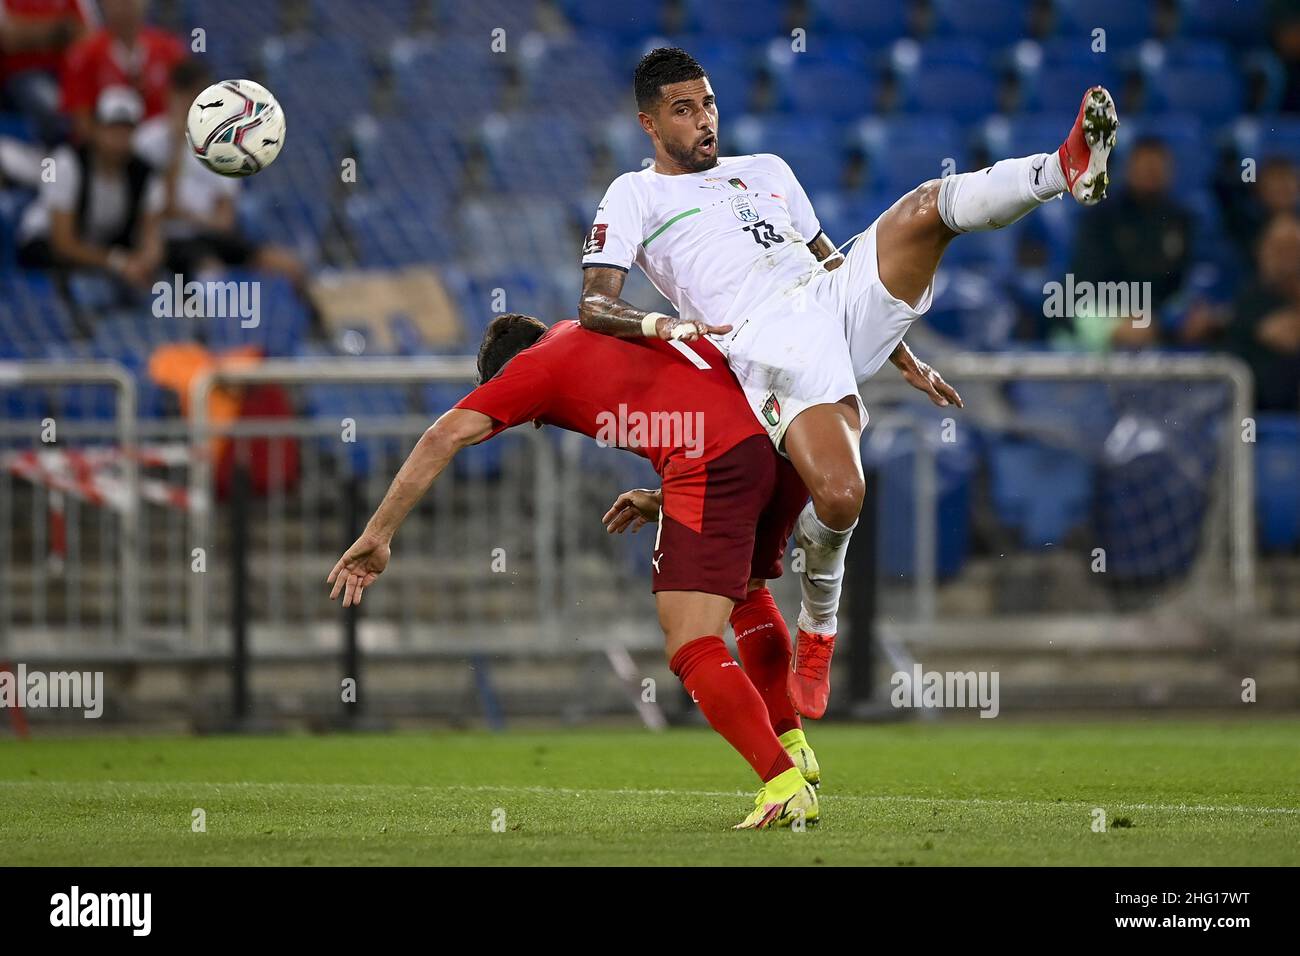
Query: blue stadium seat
x,y
1277,481
397,229
476,20
537,153
810,145
421,72
1266,136
407,153
904,151
875,23
965,92
892,452
625,22
574,77
1126,22
839,91
749,20
1205,90
1042,491
503,232
990,21
1239,21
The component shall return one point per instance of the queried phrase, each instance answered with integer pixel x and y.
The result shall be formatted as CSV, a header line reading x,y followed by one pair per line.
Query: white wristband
x,y
650,324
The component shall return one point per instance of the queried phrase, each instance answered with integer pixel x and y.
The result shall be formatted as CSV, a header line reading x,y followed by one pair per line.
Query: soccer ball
x,y
235,127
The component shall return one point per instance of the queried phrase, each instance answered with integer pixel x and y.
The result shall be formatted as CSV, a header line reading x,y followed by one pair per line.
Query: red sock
x,y
764,643
730,704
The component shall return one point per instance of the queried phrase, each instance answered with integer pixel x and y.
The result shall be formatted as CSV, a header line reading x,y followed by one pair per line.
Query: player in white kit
x,y
734,244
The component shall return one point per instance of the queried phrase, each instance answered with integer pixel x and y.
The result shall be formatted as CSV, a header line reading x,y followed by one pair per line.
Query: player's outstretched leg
x,y
913,234
822,444
763,642
731,705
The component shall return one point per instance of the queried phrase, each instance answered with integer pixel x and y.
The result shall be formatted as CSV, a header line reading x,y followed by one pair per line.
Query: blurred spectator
x,y
1140,234
197,207
34,35
125,52
1265,329
1285,19
92,212
1249,207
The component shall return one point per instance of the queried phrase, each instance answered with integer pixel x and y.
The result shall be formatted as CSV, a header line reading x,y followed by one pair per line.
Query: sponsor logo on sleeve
x,y
595,239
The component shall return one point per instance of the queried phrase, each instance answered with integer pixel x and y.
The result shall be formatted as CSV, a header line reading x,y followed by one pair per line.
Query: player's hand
x,y
920,375
672,327
358,568
632,509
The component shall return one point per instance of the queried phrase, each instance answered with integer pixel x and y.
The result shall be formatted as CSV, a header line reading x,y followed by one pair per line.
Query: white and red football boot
x,y
1085,151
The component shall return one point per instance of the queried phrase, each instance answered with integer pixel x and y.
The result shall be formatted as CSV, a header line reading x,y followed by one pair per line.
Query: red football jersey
x,y
666,401
99,61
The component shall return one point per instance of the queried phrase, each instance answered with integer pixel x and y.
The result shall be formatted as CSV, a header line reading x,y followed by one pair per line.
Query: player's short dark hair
x,y
659,68
505,337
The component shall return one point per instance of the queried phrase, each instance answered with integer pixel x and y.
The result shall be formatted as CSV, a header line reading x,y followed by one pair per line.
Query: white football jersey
x,y
710,241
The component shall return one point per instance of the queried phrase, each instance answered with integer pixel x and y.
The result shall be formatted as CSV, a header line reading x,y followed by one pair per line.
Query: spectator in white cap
x,y
93,209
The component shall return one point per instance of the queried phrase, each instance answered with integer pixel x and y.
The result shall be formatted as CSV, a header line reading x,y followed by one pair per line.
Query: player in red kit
x,y
728,505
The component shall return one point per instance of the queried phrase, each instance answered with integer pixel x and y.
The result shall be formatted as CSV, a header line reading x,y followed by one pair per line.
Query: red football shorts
x,y
726,520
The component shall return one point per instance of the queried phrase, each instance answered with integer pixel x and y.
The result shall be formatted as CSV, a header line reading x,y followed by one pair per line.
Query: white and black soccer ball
x,y
235,127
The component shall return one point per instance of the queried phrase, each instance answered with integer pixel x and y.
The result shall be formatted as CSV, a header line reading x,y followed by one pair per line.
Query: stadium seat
x,y
536,153
748,20
876,23
989,21
1243,22
839,91
965,92
891,452
1042,491
1126,22
624,23
1204,90
398,229
810,145
904,151
1277,498
420,68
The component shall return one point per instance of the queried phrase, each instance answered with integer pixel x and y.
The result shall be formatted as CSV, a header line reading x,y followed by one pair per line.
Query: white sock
x,y
823,574
998,196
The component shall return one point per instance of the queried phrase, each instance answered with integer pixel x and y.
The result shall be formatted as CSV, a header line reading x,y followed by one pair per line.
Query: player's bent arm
x,y
601,310
825,251
439,444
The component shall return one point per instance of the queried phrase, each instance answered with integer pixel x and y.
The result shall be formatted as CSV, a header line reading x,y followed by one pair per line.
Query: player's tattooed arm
x,y
825,251
921,376
601,310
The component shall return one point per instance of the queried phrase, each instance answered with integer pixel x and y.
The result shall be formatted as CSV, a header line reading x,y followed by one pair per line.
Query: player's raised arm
x,y
366,559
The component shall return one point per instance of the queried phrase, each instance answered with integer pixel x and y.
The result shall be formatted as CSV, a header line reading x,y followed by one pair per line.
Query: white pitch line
x,y
651,792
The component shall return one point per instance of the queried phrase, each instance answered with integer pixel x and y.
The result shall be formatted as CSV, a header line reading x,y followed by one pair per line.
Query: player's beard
x,y
686,155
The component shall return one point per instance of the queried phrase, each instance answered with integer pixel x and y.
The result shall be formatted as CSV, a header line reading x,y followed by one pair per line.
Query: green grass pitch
x,y
969,792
